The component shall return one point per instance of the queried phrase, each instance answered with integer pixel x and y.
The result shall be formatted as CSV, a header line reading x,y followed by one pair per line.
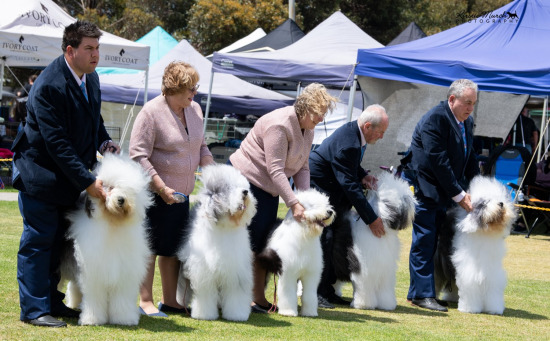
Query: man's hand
x,y
298,212
112,147
96,190
377,228
370,182
466,203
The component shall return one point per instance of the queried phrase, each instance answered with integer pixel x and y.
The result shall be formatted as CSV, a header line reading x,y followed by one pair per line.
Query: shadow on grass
x,y
509,312
153,324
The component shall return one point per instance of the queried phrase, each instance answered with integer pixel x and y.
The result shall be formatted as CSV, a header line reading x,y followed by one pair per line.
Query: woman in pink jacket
x,y
276,149
168,141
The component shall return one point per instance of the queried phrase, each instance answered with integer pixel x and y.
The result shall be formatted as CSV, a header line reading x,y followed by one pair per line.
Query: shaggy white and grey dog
x,y
216,255
369,262
294,253
111,251
468,261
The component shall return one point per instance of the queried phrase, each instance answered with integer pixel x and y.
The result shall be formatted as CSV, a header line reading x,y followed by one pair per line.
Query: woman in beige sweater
x,y
168,141
276,149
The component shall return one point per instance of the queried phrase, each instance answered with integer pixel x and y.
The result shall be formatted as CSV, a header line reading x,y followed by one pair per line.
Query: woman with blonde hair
x,y
168,141
275,149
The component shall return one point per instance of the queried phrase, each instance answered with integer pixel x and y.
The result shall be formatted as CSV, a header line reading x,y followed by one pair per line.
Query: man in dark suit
x,y
54,154
335,168
442,158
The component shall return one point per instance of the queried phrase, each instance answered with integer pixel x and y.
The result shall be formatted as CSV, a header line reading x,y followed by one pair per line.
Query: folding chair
x,y
508,164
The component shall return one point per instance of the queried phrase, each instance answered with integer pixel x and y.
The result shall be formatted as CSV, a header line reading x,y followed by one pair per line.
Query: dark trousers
x,y
328,276
44,226
428,220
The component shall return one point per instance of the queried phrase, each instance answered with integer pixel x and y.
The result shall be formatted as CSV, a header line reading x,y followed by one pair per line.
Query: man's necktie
x,y
83,88
461,124
363,152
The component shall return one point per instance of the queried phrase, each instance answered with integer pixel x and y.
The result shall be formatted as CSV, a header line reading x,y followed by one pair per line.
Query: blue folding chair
x,y
508,164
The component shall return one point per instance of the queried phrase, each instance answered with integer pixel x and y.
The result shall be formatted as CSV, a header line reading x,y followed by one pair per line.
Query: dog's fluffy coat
x,y
216,255
294,253
369,262
110,254
471,247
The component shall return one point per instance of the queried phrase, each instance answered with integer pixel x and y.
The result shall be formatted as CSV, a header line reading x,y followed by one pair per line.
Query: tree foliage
x,y
215,24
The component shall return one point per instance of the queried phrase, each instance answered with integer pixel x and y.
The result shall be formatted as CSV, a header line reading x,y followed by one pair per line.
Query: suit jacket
x,y
438,154
56,150
335,169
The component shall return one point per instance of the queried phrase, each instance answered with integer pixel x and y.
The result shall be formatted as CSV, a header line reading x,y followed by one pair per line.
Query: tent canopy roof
x,y
229,93
327,54
505,50
31,32
410,33
283,35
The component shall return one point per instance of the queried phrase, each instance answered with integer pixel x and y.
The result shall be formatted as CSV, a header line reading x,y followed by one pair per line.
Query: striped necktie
x,y
461,124
83,88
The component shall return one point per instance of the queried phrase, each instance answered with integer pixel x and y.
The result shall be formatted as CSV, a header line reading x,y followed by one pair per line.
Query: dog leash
x,y
273,307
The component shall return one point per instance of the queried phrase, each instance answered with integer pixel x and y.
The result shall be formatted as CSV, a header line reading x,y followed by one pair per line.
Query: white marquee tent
x,y
31,32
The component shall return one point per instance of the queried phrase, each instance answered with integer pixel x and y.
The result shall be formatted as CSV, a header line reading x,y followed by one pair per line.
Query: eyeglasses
x,y
195,88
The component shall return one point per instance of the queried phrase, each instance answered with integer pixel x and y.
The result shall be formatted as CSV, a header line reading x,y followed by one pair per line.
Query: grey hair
x,y
457,87
374,114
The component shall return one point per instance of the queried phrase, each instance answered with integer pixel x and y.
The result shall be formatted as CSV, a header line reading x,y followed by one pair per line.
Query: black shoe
x,y
428,303
442,303
324,303
65,311
269,307
168,309
258,309
335,299
46,321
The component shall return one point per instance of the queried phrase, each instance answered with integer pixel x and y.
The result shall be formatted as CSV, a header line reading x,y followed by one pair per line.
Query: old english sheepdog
x,y
294,252
468,260
369,262
110,247
216,255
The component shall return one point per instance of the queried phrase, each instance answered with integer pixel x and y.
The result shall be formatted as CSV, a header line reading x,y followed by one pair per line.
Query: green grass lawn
x,y
526,316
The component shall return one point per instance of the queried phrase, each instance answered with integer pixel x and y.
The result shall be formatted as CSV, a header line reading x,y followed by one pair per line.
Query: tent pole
x,y
208,101
146,85
352,97
2,63
542,125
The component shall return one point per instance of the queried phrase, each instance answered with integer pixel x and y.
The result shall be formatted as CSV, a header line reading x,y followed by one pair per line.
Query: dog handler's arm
x,y
377,227
96,190
466,203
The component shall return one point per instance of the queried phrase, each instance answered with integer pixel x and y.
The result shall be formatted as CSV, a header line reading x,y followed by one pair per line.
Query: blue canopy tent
x,y
504,51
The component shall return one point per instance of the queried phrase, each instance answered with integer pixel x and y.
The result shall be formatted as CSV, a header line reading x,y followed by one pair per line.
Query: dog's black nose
x,y
329,213
501,205
120,201
245,193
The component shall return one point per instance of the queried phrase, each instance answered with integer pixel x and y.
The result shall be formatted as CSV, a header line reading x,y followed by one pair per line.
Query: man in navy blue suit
x,y
54,154
335,169
443,160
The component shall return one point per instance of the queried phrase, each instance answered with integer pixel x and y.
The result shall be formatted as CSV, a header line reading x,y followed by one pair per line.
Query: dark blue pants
x,y
428,220
44,227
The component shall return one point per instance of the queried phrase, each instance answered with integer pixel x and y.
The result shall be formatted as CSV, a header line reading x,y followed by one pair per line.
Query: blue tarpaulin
x,y
506,50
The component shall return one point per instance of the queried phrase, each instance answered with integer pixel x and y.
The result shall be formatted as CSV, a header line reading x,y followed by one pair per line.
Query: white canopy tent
x,y
255,35
31,33
327,55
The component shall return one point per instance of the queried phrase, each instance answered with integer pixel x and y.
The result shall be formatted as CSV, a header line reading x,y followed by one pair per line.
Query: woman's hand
x,y
166,193
298,212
